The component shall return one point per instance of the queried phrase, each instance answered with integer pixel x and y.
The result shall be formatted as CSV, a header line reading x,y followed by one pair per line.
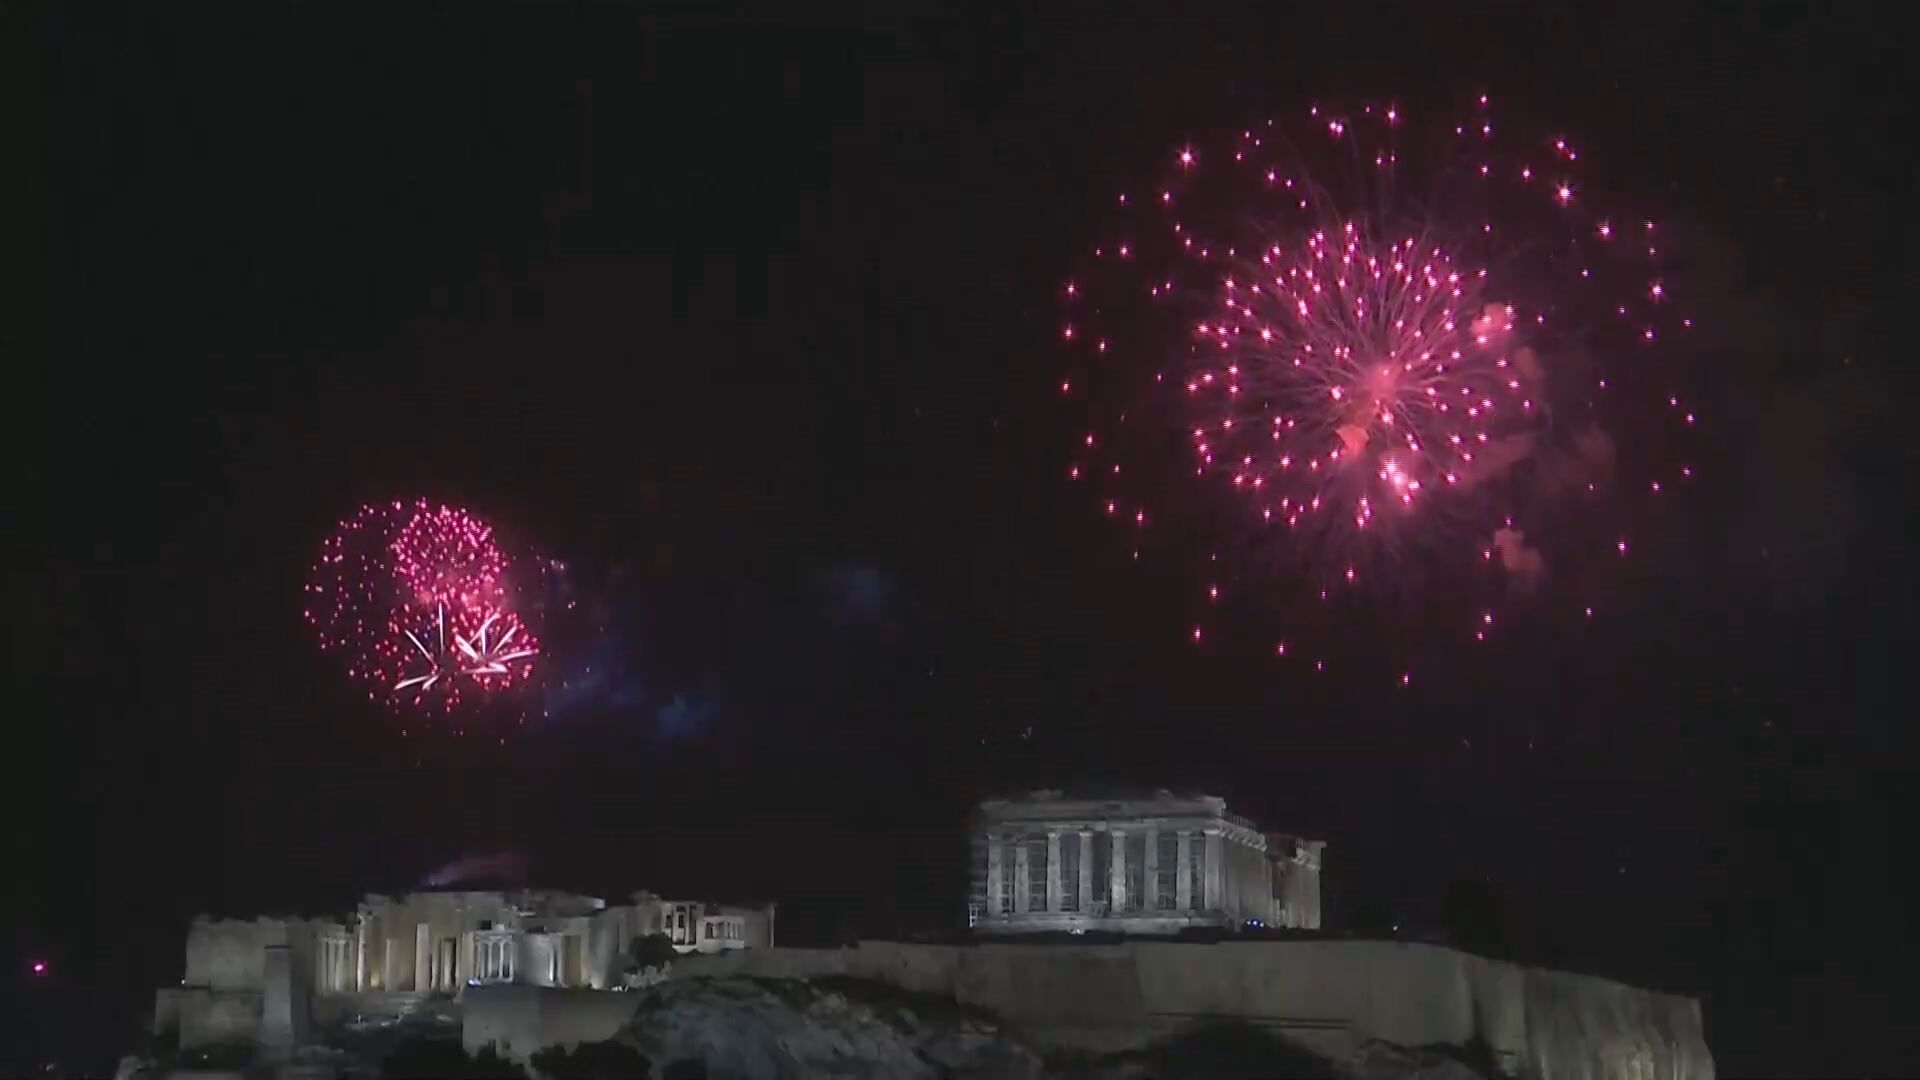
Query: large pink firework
x,y
1418,372
419,598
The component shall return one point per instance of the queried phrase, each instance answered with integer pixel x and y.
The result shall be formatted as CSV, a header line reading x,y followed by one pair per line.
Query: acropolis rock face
x,y
1344,1000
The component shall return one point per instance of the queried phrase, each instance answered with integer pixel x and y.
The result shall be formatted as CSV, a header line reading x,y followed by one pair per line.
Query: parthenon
x,y
1153,865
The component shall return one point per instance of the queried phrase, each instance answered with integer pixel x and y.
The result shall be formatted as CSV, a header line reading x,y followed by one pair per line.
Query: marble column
x,y
1054,885
1086,871
1117,872
360,954
1215,877
1150,875
996,874
1183,873
285,1007
1021,868
422,957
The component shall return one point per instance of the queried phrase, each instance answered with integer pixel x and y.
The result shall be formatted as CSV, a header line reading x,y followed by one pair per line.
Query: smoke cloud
x,y
1587,459
1495,460
505,866
1525,565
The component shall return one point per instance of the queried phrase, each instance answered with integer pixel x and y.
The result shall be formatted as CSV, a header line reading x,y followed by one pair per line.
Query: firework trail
x,y
418,599
1417,373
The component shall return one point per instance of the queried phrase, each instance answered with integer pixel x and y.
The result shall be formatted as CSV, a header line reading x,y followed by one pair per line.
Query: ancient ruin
x,y
273,980
1157,864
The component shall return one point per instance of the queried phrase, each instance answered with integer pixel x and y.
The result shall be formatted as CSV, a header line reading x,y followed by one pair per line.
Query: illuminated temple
x,y
272,980
1153,865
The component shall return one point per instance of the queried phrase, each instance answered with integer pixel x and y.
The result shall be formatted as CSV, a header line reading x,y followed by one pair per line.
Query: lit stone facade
x,y
1153,865
269,980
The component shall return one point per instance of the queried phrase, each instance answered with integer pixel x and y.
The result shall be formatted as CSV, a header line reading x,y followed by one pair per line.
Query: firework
x,y
1403,359
418,599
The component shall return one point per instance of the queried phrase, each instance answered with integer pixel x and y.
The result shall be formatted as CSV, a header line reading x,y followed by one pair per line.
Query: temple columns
x,y
996,873
1117,871
360,953
1150,875
1086,872
1022,887
1055,887
1183,873
1216,865
422,957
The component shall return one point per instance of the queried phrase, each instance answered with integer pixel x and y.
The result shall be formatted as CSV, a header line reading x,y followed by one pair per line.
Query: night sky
x,y
753,322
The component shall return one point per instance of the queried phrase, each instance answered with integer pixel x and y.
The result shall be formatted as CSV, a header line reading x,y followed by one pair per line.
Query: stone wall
x,y
229,954
208,1017
517,1021
1247,887
243,979
609,936
1335,996
286,1001
759,927
331,1009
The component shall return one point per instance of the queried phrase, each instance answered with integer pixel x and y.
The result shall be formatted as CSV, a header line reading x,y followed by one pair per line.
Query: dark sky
x,y
751,320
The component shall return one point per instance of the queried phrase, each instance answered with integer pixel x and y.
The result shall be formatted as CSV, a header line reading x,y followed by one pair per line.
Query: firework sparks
x,y
1382,336
486,656
1352,378
417,598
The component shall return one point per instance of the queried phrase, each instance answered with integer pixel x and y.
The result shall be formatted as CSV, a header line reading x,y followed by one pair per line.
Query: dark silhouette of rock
x,y
591,1061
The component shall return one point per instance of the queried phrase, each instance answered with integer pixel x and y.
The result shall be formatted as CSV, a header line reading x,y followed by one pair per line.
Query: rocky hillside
x,y
747,1028
742,1028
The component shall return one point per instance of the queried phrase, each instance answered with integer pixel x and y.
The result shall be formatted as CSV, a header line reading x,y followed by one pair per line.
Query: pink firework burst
x,y
446,555
418,598
1416,372
444,647
1353,380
